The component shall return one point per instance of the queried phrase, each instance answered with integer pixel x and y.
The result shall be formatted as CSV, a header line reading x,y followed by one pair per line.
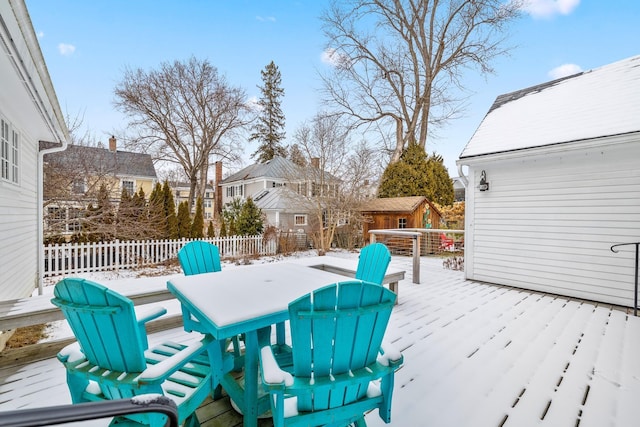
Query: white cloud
x,y
330,57
66,49
549,8
564,70
40,34
252,104
266,18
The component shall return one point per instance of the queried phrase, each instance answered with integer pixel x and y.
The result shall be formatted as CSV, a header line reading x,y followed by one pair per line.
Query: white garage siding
x,y
548,221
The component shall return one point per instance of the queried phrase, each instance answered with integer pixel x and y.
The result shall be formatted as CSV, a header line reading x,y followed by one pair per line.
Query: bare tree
x,y
335,177
184,113
399,63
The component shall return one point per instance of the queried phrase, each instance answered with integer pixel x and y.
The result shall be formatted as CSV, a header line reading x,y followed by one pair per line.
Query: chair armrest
x,y
389,355
272,376
145,314
163,370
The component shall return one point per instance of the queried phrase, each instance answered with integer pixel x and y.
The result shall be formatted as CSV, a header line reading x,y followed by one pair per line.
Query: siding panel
x,y
548,223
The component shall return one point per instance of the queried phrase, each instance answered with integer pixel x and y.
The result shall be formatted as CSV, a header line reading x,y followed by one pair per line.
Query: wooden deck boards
x,y
475,355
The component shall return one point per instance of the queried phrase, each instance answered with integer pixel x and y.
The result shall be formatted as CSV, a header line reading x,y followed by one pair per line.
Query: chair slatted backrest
x,y
335,330
373,263
104,323
199,257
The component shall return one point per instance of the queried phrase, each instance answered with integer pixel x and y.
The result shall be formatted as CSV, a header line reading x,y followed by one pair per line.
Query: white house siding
x,y
29,104
18,227
550,217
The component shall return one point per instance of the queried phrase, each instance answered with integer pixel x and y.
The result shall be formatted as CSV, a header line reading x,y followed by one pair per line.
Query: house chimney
x,y
112,144
218,189
315,162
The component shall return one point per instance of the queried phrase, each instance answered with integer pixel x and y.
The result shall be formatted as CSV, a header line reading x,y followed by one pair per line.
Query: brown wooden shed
x,y
399,212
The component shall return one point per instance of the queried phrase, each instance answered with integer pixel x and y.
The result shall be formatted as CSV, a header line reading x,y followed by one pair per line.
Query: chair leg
x,y
192,421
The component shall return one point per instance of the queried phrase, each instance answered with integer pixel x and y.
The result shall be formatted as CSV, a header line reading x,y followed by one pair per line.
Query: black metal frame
x,y
635,292
61,414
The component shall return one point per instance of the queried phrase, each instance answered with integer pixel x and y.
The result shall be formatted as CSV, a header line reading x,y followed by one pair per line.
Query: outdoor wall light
x,y
484,185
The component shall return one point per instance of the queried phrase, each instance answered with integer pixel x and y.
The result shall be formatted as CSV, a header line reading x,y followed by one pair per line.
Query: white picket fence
x,y
72,258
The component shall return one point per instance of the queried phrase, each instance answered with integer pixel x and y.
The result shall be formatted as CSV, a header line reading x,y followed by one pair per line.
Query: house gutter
x,y
46,104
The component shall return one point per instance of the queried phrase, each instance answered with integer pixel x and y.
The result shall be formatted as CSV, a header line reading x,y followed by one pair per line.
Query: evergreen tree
x,y
211,231
101,218
170,211
269,128
184,220
250,220
157,217
417,174
230,213
139,205
223,227
197,226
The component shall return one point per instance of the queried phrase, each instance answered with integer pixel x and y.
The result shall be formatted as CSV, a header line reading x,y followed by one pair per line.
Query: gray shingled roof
x,y
278,167
102,161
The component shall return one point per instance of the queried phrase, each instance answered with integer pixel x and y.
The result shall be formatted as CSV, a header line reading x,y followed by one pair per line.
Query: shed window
x,y
300,219
402,222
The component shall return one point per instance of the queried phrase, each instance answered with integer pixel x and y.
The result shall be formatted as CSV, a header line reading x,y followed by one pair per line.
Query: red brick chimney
x,y
112,144
315,162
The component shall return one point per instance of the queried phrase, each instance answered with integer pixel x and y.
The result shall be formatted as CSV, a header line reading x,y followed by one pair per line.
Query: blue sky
x,y
88,44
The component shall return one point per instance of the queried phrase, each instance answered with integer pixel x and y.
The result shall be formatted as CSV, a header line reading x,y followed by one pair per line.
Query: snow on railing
x,y
72,258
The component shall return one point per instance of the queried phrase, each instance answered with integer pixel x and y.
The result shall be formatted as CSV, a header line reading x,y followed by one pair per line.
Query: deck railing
x,y
418,241
72,258
635,288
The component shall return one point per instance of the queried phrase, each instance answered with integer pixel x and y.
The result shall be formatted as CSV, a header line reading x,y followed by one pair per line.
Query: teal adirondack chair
x,y
373,263
111,359
199,257
340,370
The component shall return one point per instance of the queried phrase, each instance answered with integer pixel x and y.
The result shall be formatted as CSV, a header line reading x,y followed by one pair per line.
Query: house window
x,y
9,152
78,186
14,156
74,219
129,186
302,188
207,203
300,219
402,222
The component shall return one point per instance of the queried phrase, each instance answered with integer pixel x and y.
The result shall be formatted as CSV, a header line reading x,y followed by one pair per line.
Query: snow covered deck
x,y
475,355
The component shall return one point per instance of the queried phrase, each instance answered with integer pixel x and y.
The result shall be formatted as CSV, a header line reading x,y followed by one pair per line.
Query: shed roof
x,y
394,204
601,102
103,161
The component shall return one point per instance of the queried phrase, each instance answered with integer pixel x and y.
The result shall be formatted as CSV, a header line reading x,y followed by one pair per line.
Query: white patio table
x,y
246,300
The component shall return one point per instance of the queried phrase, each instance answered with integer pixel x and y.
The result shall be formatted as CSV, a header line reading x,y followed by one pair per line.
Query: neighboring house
x,y
458,189
399,212
280,188
553,182
30,117
181,194
74,176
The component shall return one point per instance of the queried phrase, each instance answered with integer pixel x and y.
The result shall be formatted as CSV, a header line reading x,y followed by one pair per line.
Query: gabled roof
x,y
278,167
102,161
393,204
601,102
280,199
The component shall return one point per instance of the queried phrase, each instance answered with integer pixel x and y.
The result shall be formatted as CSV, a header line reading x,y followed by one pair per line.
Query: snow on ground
x,y
475,355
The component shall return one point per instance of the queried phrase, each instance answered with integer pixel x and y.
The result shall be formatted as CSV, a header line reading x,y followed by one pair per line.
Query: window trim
x,y
299,216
